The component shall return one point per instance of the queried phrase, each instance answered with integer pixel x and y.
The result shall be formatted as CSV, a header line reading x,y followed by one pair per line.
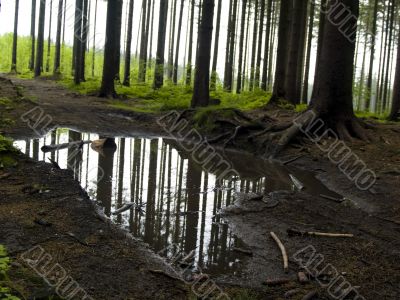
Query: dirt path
x,y
368,261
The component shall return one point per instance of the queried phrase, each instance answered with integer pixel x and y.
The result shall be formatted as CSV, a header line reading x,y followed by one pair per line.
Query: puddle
x,y
177,200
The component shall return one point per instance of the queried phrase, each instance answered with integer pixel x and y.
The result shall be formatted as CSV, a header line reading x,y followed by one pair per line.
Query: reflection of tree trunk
x,y
35,149
135,182
178,201
121,175
151,192
203,218
193,184
53,141
74,159
105,178
168,214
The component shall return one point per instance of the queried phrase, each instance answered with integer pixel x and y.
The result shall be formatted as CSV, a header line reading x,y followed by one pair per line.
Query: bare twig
x,y
283,251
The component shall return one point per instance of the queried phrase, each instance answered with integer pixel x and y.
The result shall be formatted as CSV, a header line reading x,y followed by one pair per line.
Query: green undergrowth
x,y
5,283
7,153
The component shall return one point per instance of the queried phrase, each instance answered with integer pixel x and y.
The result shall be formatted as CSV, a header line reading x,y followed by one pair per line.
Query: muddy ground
x,y
109,265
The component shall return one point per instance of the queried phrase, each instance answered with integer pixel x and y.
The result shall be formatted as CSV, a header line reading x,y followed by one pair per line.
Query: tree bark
x,y
111,48
33,24
15,38
282,52
190,50
94,39
49,38
85,29
178,39
254,51
78,41
213,84
40,39
372,56
266,46
259,50
304,98
394,112
127,71
228,44
57,56
333,94
243,23
162,30
232,47
172,43
143,45
201,92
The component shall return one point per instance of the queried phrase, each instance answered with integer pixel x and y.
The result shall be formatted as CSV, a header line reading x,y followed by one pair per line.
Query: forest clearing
x,y
199,149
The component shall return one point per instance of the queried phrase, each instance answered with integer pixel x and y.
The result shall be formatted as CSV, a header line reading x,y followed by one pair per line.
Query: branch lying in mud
x,y
283,251
52,148
295,232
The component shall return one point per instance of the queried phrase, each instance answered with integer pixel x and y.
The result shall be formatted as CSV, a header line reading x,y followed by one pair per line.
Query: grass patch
x,y
7,153
5,291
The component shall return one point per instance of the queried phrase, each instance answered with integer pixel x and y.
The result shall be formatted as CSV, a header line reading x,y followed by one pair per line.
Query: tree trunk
x,y
266,46
386,80
246,47
85,29
111,48
118,40
259,50
232,40
333,94
150,52
243,23
178,39
228,44
190,50
49,38
15,38
78,41
282,55
94,39
254,53
304,98
40,39
127,71
57,56
372,56
143,45
394,112
213,84
201,92
33,25
292,92
172,43
162,30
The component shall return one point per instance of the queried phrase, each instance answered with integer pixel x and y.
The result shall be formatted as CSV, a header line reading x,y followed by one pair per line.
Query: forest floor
x,y
96,253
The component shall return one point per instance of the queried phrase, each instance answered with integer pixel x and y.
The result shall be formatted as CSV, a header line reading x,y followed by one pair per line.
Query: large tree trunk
x,y
162,29
265,73
243,23
178,46
281,59
394,112
33,25
78,41
40,39
15,38
292,92
213,84
57,55
190,50
85,28
201,92
111,48
333,93
143,45
127,71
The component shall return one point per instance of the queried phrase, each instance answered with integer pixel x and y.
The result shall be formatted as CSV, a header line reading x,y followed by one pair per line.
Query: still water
x,y
177,200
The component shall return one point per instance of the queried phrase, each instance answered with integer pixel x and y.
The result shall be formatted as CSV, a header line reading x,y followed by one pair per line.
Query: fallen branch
x,y
244,251
295,232
283,251
52,148
337,200
292,160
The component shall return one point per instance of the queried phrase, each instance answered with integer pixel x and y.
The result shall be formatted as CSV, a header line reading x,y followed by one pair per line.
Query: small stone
x,y
302,277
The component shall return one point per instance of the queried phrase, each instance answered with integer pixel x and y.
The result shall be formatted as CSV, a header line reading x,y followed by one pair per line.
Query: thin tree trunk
x,y
127,72
143,45
190,50
232,47
15,38
85,29
245,75
213,84
57,56
372,55
33,25
228,44
178,40
254,53
150,52
78,40
243,23
386,80
394,112
266,46
94,39
172,44
49,38
201,92
162,25
40,39
259,50
308,55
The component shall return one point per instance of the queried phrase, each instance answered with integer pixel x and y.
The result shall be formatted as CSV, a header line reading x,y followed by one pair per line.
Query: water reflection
x,y
176,201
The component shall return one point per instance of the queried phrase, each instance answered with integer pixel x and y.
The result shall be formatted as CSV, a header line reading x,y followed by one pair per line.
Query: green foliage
x,y
5,292
7,152
301,107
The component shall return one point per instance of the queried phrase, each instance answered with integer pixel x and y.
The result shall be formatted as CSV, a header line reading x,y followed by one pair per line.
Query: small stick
x,y
292,159
283,251
332,198
293,232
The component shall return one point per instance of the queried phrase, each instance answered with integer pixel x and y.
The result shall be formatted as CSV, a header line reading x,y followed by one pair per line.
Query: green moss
x,y
7,153
301,107
5,291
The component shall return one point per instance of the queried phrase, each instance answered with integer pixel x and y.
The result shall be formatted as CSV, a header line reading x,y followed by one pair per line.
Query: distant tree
x,y
254,46
190,50
228,80
111,48
201,92
394,112
162,30
85,29
259,47
309,49
57,56
268,28
127,70
372,54
94,39
40,39
33,25
77,48
172,41
213,83
15,38
143,44
49,37
178,46
241,42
